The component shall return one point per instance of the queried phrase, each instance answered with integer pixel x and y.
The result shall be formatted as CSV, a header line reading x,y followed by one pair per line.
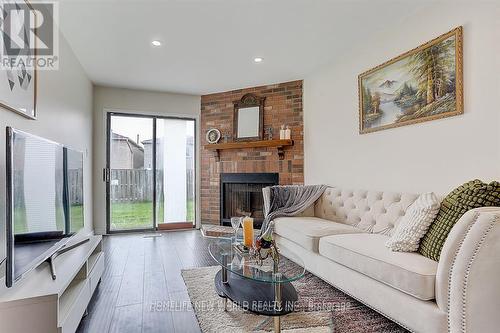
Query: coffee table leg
x,y
224,277
277,324
278,307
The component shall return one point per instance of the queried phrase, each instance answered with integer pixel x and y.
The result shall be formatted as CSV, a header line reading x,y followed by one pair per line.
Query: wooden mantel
x,y
279,144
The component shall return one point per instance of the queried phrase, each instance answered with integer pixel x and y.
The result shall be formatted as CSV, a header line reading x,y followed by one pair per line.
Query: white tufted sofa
x,y
342,239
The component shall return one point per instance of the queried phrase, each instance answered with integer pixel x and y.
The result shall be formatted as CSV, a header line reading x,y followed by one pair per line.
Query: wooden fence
x,y
129,185
75,186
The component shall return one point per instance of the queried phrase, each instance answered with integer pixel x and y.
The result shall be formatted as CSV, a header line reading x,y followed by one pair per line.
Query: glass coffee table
x,y
264,289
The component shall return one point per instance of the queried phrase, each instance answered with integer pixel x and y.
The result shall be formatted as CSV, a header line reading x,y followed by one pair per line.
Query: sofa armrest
x,y
468,275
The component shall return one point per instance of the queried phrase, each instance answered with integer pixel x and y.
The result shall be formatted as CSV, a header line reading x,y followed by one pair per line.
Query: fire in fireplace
x,y
241,195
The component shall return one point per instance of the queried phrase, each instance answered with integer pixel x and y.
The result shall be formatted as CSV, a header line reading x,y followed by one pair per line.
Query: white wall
x,y
432,156
132,101
64,109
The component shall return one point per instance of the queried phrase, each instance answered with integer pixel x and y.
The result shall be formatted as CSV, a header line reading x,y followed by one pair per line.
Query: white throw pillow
x,y
414,224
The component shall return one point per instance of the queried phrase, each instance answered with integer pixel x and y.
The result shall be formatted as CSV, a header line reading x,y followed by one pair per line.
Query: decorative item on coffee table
x,y
235,223
216,231
248,233
265,246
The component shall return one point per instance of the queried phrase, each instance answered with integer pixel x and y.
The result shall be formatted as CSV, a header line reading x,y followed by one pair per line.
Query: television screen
x,y
37,185
44,200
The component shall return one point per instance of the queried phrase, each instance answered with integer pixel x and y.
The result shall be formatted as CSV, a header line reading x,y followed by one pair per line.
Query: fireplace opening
x,y
241,195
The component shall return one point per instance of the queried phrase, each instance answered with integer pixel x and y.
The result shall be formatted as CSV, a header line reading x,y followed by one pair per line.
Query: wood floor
x,y
142,273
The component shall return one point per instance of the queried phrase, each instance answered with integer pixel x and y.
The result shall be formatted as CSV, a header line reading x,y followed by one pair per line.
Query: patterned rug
x,y
321,308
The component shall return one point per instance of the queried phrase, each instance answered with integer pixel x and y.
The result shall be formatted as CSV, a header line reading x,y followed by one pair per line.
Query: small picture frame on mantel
x,y
248,118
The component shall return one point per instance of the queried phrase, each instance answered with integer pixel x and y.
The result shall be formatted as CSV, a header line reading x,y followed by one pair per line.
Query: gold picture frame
x,y
423,84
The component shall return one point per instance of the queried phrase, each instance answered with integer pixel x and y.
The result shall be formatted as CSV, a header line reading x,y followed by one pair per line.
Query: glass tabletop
x,y
243,264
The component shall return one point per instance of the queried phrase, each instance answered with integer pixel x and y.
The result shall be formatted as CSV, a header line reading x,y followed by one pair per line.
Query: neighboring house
x,y
126,153
148,153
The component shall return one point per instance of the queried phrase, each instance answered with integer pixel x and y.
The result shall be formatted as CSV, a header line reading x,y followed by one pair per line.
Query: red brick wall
x,y
283,105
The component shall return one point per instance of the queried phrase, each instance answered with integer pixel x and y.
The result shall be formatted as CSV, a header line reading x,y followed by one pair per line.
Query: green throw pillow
x,y
473,194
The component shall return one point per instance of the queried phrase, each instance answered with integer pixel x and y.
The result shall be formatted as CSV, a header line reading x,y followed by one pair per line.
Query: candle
x,y
248,231
288,133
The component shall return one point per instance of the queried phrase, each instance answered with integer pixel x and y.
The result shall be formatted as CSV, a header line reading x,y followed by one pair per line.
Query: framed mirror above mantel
x,y
248,118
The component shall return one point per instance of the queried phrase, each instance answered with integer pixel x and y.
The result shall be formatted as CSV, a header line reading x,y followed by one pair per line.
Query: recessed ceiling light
x,y
156,43
258,59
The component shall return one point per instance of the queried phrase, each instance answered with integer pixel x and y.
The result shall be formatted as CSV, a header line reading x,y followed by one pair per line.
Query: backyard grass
x,y
76,218
139,215
76,215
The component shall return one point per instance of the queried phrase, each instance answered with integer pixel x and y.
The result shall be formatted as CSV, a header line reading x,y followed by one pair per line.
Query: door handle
x,y
105,175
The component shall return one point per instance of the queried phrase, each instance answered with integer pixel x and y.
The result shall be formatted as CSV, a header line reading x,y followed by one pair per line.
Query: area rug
x,y
321,308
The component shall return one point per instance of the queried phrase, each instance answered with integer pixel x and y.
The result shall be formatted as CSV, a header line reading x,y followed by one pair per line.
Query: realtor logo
x,y
29,37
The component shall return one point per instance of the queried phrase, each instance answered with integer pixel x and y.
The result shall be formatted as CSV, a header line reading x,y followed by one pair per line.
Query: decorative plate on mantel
x,y
213,135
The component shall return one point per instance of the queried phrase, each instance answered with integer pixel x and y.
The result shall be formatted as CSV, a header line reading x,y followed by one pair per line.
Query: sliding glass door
x,y
150,174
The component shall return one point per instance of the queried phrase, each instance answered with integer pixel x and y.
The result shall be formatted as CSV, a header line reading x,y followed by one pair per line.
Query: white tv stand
x,y
39,304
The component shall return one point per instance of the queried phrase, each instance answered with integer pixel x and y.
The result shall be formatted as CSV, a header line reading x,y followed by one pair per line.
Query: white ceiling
x,y
209,45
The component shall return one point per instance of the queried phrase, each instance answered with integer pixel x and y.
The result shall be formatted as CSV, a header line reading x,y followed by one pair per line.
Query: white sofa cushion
x,y
408,272
306,231
414,224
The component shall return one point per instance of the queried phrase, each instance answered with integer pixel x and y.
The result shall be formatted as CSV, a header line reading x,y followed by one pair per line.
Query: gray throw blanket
x,y
288,200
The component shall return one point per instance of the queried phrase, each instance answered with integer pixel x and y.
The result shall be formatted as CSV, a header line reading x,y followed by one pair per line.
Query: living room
x,y
240,166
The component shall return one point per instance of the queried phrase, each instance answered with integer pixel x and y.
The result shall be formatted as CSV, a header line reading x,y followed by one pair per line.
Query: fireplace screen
x,y
241,195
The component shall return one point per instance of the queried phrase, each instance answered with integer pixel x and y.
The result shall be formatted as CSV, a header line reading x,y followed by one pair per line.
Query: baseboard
x,y
175,225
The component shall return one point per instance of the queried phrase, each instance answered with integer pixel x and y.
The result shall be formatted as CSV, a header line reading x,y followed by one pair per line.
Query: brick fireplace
x,y
283,105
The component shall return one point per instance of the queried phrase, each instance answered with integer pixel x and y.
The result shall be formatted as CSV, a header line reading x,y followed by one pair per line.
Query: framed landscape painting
x,y
423,84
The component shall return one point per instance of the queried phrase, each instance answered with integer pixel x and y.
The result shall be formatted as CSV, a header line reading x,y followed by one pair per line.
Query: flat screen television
x,y
44,200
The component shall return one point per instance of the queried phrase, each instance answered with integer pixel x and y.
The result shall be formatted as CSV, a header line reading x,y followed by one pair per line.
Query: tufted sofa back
x,y
372,211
